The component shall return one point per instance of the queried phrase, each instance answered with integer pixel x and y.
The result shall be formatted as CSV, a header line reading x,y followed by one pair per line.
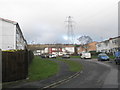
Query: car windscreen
x,y
102,55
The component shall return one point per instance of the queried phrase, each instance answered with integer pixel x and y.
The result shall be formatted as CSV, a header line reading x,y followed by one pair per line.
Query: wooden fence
x,y
15,65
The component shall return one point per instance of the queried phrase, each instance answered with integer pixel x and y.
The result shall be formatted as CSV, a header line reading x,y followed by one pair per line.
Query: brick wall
x,y
91,47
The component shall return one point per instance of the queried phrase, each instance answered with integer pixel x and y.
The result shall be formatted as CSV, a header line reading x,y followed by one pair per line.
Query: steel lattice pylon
x,y
70,32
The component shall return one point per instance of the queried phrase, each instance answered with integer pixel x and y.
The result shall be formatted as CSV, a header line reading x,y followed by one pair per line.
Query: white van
x,y
85,55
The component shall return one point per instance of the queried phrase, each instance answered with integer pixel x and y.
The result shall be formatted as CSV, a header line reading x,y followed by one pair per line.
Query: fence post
x,y
0,69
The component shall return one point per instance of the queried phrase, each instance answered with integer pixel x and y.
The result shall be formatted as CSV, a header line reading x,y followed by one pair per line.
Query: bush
x,y
94,53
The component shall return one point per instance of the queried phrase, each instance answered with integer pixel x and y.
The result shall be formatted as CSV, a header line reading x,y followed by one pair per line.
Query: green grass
x,y
39,69
42,68
75,56
112,57
74,66
95,56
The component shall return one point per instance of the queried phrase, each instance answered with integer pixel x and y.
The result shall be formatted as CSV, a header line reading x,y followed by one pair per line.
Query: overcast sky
x,y
43,21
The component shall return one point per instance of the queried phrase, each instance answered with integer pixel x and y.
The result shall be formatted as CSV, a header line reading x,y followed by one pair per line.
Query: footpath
x,y
61,76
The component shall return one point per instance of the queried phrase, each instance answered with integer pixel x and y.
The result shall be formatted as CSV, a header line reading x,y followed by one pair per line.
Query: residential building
x,y
88,47
70,49
11,36
55,50
109,46
58,49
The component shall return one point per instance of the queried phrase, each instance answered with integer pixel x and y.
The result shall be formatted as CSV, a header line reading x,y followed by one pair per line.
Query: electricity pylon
x,y
70,32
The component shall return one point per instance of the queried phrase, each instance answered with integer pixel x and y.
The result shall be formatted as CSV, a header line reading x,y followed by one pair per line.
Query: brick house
x,y
88,47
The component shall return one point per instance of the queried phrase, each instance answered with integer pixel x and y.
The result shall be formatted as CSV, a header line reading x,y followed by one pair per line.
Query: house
x,y
109,46
88,47
69,49
58,49
112,44
11,36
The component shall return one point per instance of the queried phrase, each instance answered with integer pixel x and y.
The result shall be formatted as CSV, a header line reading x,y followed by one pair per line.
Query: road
x,y
96,74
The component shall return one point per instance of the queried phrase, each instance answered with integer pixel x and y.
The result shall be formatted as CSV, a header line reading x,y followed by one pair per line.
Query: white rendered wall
x,y
0,34
8,36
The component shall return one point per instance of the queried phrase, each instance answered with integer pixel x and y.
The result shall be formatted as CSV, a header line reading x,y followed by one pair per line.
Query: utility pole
x,y
118,25
70,32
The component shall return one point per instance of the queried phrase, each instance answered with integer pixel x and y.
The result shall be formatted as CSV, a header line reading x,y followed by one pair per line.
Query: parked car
x,y
47,55
66,56
85,55
43,56
103,57
117,57
52,56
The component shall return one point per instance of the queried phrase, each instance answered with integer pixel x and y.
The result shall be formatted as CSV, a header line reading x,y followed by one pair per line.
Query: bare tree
x,y
84,40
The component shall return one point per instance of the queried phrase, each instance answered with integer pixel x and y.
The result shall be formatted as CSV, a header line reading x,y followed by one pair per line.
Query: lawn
x,y
74,66
96,56
75,56
42,68
112,57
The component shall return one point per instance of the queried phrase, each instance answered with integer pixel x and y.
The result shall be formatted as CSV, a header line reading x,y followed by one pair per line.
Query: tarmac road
x,y
96,74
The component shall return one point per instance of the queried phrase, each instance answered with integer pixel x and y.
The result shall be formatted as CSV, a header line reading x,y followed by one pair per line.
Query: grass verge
x,y
42,68
112,57
75,56
96,56
74,66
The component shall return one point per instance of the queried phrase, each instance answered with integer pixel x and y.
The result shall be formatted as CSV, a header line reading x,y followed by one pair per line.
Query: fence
x,y
15,65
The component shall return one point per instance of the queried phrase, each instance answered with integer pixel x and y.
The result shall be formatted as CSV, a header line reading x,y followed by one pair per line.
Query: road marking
x,y
62,81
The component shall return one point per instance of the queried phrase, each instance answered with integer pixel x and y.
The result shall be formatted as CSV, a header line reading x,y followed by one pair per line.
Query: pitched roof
x,y
9,21
15,23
